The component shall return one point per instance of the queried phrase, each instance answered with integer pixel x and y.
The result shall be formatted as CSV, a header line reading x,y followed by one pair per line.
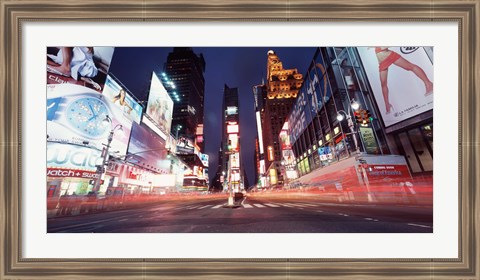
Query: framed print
x,y
262,140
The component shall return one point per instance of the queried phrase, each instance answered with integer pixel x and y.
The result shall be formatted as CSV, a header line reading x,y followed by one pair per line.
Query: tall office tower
x,y
231,138
260,97
282,87
185,69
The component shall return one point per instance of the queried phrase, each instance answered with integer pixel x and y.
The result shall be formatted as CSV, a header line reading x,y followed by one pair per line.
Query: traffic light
x,y
358,116
368,116
229,145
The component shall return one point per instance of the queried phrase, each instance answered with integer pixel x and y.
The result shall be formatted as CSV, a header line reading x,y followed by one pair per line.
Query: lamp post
x,y
340,117
101,168
179,126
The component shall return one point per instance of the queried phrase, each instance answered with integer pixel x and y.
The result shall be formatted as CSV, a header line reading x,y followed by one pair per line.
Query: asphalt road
x,y
256,214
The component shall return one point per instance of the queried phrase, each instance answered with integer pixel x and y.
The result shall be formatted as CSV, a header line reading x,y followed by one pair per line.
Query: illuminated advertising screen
x,y
119,96
285,138
232,128
400,94
273,176
325,153
86,66
270,154
81,116
185,145
235,160
297,118
262,166
72,157
288,157
160,105
259,132
147,149
233,138
232,110
204,159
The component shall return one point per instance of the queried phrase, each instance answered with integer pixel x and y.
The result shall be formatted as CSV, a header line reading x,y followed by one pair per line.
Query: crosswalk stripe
x,y
286,205
192,207
218,206
306,204
294,205
247,206
271,205
205,206
259,205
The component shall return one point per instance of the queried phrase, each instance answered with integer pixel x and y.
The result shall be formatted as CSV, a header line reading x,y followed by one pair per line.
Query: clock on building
x,y
86,116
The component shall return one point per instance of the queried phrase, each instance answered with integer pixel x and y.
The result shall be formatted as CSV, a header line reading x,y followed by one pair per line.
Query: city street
x,y
265,213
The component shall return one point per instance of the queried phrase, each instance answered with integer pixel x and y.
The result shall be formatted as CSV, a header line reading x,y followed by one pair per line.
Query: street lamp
x,y
341,115
101,168
179,126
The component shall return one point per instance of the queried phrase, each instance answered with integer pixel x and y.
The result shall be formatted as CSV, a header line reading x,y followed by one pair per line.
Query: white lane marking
x,y
296,205
341,214
375,220
417,225
123,220
320,211
271,205
247,206
218,206
369,219
307,204
259,205
293,204
192,207
286,205
205,206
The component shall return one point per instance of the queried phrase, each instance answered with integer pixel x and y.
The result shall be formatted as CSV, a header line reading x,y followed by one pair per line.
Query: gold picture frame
x,y
15,13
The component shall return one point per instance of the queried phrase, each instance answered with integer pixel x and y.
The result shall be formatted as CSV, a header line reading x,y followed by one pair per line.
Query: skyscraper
x,y
282,87
231,164
186,69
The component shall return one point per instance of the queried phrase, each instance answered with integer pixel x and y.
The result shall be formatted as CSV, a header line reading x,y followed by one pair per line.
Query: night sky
x,y
241,67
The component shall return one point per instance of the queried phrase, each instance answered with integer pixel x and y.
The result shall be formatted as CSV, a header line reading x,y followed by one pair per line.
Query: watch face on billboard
x,y
81,116
401,79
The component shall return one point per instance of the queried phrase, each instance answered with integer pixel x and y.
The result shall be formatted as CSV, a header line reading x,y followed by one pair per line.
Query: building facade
x,y
281,88
185,69
231,165
341,84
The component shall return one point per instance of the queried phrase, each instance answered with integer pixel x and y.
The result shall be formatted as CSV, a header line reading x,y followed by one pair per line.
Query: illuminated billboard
x,y
233,140
259,132
119,96
273,176
147,149
401,79
72,157
270,154
235,160
86,66
204,159
285,138
232,128
160,105
78,115
232,110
